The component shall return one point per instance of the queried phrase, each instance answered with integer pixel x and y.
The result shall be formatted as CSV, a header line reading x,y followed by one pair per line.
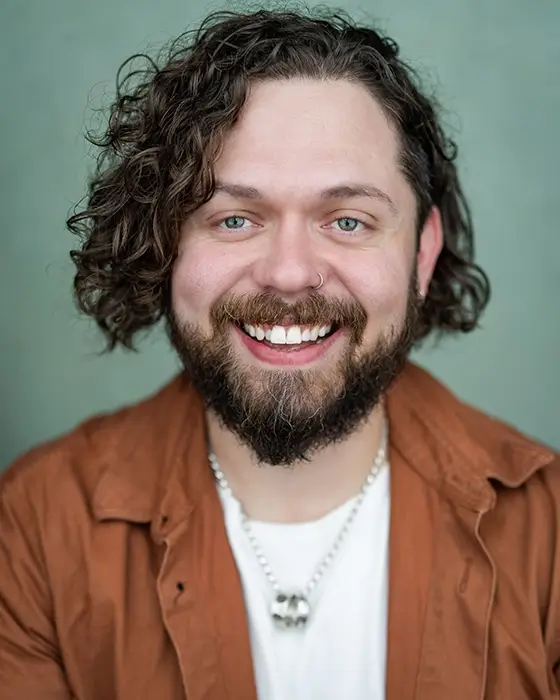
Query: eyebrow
x,y
348,191
342,191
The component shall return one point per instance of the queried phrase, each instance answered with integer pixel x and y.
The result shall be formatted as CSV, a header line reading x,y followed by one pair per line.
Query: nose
x,y
288,264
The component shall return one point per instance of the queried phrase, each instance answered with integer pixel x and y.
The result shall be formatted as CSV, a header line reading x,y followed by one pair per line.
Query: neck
x,y
308,490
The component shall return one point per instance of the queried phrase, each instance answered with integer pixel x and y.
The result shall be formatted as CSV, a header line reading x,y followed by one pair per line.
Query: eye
x,y
234,223
349,224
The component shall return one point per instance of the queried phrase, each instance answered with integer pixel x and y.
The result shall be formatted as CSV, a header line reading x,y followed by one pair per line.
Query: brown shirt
x,y
117,580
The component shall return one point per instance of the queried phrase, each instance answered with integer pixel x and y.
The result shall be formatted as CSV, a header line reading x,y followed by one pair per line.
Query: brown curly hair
x,y
165,130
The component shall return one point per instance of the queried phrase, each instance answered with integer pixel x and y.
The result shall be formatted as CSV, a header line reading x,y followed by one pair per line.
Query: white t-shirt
x,y
341,652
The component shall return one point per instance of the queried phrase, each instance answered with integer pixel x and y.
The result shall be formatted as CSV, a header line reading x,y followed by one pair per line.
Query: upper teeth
x,y
290,335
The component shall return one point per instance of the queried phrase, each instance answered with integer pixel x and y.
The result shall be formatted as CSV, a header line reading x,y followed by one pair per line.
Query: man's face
x,y
308,183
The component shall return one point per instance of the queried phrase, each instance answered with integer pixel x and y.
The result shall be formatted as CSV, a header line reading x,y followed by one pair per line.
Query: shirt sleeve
x,y
30,662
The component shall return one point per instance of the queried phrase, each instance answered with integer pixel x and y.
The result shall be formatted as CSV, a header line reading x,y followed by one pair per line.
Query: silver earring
x,y
321,280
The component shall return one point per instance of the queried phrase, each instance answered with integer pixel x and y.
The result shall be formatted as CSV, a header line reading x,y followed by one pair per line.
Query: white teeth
x,y
278,335
293,336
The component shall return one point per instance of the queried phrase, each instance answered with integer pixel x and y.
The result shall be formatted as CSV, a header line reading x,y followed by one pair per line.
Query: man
x,y
302,513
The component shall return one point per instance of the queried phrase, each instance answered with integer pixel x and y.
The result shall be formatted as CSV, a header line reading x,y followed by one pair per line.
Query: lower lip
x,y
291,355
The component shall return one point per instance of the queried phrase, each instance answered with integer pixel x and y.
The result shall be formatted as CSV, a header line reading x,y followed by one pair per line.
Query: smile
x,y
289,345
288,335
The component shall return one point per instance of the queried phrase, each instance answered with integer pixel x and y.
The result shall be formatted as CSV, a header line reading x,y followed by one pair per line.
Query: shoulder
x,y
66,471
515,458
42,478
516,461
485,446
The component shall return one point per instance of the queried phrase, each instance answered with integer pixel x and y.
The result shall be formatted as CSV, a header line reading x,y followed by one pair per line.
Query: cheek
x,y
382,286
198,279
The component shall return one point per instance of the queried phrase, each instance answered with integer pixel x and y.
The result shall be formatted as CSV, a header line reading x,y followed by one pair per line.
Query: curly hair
x,y
165,130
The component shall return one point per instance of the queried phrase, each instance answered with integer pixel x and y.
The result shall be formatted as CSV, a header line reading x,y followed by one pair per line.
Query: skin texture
x,y
296,140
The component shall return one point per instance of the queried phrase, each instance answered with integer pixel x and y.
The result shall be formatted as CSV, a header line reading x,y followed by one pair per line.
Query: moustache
x,y
269,309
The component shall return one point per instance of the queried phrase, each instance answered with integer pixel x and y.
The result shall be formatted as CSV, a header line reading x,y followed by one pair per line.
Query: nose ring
x,y
321,280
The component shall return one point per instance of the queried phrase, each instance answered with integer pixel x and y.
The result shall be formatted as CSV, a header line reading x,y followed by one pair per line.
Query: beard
x,y
285,416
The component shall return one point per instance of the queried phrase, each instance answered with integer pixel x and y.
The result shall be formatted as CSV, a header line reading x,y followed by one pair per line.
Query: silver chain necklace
x,y
290,610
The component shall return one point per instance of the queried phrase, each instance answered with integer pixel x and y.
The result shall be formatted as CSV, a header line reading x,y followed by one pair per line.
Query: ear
x,y
429,247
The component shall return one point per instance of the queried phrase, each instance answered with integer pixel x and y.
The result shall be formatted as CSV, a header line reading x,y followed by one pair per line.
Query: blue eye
x,y
348,224
234,222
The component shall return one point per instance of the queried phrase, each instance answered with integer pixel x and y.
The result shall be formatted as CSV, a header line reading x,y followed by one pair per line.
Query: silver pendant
x,y
290,611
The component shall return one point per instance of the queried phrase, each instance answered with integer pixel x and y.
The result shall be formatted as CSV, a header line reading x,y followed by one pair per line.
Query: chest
x,y
341,650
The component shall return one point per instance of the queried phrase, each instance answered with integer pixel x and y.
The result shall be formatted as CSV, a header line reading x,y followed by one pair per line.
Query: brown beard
x,y
285,416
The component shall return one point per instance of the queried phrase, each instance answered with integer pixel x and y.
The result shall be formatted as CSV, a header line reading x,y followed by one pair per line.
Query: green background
x,y
496,66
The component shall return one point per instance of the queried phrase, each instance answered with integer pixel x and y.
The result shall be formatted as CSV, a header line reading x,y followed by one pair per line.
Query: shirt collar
x,y
459,450
154,466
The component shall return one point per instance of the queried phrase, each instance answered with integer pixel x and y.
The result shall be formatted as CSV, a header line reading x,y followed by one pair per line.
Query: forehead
x,y
295,136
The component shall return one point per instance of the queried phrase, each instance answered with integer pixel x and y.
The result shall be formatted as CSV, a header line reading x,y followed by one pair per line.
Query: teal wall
x,y
496,64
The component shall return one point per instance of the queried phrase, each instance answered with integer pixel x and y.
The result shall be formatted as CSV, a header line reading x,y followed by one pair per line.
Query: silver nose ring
x,y
321,280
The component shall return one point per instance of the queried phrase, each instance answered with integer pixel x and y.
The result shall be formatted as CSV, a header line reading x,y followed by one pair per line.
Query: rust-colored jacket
x,y
117,580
